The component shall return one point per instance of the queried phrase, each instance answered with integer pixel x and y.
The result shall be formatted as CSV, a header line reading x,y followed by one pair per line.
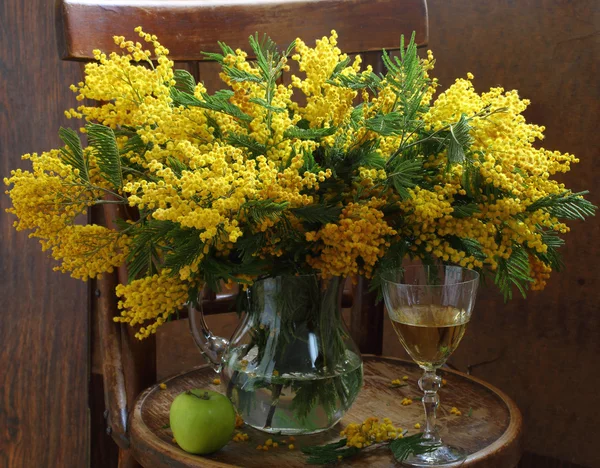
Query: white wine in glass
x,y
429,307
429,333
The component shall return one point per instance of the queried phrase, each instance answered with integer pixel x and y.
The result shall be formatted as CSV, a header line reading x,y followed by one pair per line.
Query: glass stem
x,y
430,384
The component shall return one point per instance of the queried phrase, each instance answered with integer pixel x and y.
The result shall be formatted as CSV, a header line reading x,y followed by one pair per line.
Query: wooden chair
x,y
186,28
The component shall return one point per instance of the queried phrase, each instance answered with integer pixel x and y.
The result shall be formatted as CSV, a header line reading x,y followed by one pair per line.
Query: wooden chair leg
x,y
126,460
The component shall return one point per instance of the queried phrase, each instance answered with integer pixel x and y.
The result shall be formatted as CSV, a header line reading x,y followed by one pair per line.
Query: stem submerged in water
x,y
275,393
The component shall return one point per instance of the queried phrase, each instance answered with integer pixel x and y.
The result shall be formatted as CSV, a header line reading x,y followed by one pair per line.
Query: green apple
x,y
202,421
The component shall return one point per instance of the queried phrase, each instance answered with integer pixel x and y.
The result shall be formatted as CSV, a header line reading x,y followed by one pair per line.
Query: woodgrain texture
x,y
43,324
549,344
491,435
366,320
187,27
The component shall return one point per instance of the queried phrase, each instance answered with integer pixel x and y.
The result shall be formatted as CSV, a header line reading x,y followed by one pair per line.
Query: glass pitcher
x,y
291,366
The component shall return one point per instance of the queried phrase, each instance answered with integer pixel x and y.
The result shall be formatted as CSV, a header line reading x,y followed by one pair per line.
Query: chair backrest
x,y
188,28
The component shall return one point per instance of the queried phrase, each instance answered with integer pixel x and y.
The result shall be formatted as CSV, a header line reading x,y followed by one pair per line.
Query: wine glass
x,y
430,307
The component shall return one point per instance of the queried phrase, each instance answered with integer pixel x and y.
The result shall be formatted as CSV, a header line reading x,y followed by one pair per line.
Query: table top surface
x,y
489,428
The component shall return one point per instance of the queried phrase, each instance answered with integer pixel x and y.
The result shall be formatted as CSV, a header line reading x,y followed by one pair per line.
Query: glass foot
x,y
442,456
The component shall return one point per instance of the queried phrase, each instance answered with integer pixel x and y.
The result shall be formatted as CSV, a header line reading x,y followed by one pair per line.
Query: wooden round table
x,y
489,427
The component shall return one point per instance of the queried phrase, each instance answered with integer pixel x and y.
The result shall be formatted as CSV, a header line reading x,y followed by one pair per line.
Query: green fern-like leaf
x,y
259,210
184,81
464,210
339,68
176,165
219,102
144,257
551,239
459,139
404,447
565,205
514,271
551,257
225,49
468,245
181,98
241,76
73,153
408,79
406,174
134,144
189,247
471,180
309,133
318,214
266,105
268,59
250,245
266,54
386,124
370,81
108,158
211,122
244,141
373,160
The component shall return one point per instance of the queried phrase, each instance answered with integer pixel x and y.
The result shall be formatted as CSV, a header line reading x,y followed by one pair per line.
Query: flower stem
x,y
275,392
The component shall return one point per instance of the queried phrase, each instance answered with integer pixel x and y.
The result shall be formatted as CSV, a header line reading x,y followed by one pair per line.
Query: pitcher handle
x,y
211,346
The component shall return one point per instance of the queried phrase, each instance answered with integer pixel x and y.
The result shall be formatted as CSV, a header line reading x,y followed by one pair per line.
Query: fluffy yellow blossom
x,y
540,273
239,421
240,437
130,92
88,251
361,233
326,104
455,411
369,432
236,181
49,200
406,401
151,299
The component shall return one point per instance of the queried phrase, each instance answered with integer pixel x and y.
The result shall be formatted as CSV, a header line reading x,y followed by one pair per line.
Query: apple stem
x,y
200,397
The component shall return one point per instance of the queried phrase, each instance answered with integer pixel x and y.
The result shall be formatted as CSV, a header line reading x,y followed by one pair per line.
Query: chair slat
x,y
188,27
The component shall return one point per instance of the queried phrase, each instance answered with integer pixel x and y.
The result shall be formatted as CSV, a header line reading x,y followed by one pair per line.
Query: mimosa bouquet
x,y
338,172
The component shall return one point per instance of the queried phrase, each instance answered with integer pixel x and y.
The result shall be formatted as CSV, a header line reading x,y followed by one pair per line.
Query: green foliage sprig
x,y
402,448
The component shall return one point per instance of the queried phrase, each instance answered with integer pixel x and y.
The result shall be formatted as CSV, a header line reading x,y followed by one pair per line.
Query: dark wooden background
x,y
43,317
546,347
